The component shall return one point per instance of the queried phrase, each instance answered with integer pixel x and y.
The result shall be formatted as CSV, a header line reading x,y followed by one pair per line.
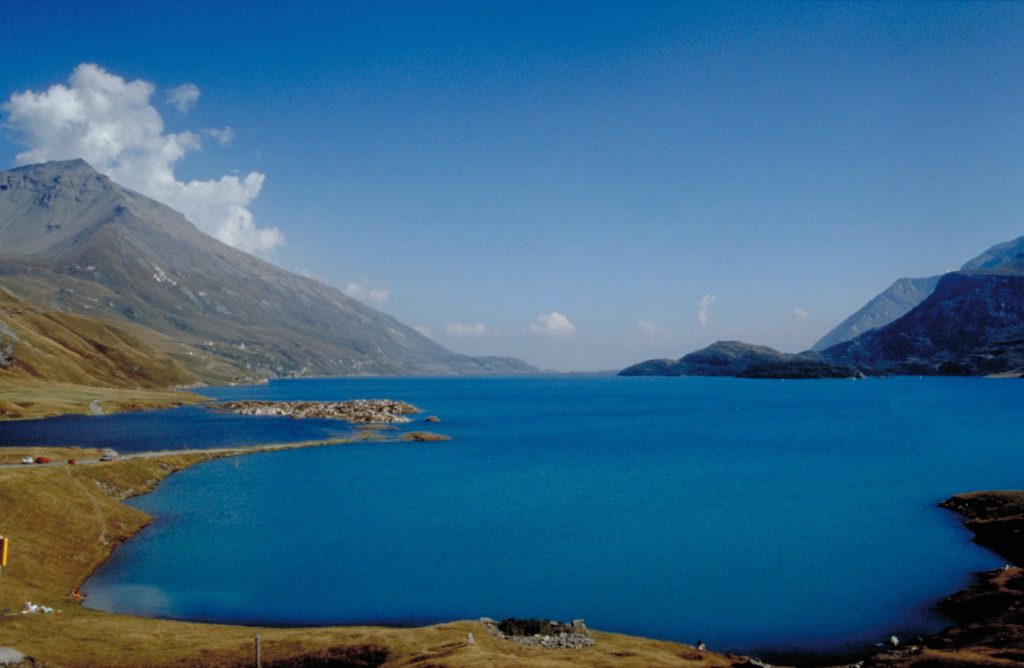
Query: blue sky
x,y
583,185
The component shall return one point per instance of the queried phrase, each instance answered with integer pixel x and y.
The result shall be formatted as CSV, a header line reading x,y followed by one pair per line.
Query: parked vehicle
x,y
42,460
27,460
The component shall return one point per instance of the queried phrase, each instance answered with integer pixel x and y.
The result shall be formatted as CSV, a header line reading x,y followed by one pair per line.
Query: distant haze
x,y
582,185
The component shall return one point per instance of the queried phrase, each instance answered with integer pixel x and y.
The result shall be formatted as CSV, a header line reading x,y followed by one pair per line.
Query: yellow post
x,y
4,542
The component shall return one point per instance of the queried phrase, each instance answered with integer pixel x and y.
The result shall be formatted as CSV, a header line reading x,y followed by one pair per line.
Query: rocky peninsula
x,y
359,411
988,616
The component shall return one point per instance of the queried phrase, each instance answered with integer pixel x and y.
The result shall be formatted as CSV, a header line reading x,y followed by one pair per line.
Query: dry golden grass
x,y
29,398
66,348
64,521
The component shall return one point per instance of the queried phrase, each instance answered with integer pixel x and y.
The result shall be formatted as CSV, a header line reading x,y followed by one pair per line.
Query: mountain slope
x,y
998,255
898,299
972,324
72,239
40,344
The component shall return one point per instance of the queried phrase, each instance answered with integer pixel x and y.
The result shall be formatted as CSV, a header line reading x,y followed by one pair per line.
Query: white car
x,y
27,460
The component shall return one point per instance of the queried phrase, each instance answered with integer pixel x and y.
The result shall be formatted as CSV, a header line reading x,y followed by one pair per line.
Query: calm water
x,y
749,514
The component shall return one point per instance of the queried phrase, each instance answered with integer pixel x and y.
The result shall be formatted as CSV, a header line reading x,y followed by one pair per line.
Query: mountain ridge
x,y
905,293
743,360
972,324
71,239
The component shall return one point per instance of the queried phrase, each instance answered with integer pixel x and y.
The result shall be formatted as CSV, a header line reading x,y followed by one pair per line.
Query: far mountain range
x,y
967,322
146,279
101,285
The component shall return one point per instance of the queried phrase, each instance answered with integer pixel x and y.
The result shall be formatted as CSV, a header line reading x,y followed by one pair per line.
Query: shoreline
x,y
59,536
965,642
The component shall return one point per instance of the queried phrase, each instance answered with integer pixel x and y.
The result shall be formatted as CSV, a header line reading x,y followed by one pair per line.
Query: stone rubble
x,y
561,636
365,411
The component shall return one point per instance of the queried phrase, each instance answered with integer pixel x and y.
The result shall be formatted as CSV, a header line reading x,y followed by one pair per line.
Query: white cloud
x,y
703,309
222,135
476,329
552,323
801,314
364,293
184,97
111,124
423,330
653,332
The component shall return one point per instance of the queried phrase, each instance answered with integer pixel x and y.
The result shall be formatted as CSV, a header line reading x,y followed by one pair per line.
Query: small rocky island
x,y
362,411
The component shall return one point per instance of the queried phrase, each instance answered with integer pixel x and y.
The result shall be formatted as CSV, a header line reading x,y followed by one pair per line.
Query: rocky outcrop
x,y
541,633
743,360
6,354
367,411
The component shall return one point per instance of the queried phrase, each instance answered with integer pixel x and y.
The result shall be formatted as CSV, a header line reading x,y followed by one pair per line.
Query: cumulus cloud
x,y
704,308
184,97
801,314
112,125
423,330
475,329
364,293
552,323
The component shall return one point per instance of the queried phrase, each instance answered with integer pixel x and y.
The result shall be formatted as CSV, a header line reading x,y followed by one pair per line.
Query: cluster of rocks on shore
x,y
539,633
365,411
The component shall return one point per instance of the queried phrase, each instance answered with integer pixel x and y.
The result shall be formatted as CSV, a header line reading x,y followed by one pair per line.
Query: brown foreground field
x,y
64,521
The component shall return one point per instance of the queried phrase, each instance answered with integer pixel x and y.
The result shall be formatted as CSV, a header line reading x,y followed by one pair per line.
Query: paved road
x,y
217,451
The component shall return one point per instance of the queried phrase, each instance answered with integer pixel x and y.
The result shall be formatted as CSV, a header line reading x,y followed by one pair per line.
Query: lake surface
x,y
752,514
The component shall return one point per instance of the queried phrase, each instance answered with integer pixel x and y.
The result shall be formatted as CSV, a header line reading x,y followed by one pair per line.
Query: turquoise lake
x,y
756,515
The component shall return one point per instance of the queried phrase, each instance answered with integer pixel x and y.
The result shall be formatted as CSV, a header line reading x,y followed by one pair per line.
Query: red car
x,y
42,460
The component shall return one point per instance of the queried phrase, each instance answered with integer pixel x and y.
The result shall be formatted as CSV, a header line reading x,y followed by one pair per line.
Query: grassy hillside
x,y
53,362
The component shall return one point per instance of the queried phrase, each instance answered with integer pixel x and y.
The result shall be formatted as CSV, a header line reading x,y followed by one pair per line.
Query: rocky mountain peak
x,y
73,175
72,239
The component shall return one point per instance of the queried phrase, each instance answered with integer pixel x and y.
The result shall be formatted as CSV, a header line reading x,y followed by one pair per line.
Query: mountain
x,y
73,240
972,324
906,293
743,360
897,300
1000,254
